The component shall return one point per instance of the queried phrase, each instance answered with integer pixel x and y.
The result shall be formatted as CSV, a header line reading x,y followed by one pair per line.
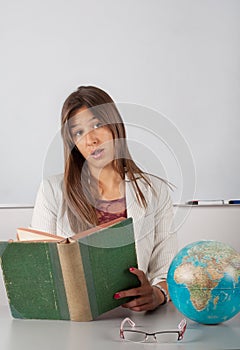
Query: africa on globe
x,y
204,281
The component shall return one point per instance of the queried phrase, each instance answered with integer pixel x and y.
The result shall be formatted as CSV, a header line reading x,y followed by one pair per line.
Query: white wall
x,y
179,58
11,219
221,223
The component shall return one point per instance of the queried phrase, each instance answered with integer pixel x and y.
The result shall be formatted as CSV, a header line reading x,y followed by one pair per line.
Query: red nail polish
x,y
116,296
131,269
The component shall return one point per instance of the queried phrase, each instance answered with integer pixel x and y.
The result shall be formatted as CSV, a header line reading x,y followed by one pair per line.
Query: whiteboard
x,y
175,63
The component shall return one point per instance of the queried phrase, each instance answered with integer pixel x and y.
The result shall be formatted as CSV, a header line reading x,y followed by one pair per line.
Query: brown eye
x,y
78,133
97,125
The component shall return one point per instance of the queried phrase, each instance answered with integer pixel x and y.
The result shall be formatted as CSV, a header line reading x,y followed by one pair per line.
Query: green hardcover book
x,y
69,279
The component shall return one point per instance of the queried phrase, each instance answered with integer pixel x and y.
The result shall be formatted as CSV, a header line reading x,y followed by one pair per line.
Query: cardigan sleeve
x,y
165,239
45,209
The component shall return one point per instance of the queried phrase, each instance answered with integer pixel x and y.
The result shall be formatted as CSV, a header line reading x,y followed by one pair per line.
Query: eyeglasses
x,y
138,336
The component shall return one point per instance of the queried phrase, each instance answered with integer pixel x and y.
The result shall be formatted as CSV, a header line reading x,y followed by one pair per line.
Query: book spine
x,y
74,281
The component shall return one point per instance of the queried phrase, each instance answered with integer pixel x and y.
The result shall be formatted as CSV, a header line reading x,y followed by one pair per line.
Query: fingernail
x,y
131,269
116,296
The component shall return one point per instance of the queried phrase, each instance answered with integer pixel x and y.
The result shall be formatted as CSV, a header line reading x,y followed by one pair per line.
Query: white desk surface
x,y
104,332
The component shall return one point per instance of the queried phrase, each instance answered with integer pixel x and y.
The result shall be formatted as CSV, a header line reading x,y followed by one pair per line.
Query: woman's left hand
x,y
146,296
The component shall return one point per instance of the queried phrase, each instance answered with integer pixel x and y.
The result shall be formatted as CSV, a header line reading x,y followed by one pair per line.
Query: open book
x,y
52,277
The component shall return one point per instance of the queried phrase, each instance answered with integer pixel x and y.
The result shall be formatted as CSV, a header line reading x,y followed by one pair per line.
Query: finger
x,y
137,302
140,274
134,292
145,307
144,289
142,307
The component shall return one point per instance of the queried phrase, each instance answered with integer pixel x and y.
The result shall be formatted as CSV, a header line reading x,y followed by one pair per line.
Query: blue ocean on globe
x,y
204,281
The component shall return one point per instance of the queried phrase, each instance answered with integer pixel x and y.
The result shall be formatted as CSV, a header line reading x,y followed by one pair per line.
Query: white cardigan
x,y
156,242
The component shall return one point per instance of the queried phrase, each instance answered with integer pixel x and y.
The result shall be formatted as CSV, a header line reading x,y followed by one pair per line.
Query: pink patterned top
x,y
110,210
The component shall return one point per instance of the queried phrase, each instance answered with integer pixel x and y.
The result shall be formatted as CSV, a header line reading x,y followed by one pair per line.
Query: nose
x,y
91,138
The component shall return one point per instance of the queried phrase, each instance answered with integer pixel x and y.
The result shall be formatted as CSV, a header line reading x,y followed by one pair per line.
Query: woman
x,y
100,183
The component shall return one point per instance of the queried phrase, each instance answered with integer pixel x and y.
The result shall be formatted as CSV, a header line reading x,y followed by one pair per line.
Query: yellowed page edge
x,y
27,234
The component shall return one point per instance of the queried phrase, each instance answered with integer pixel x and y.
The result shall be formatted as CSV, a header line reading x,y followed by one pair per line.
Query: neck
x,y
110,183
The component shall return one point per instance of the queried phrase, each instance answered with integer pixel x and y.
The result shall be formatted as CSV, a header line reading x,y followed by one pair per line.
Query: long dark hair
x,y
78,196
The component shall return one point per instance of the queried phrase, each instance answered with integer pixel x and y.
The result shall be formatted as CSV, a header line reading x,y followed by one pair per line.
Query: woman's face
x,y
93,139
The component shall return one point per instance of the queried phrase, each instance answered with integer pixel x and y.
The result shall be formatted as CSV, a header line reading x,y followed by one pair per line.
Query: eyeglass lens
x,y
134,336
159,337
167,337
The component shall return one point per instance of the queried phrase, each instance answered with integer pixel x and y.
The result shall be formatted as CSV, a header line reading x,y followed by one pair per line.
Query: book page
x,y
27,234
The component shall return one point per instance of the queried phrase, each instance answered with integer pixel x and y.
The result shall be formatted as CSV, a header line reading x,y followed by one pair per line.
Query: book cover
x,y
69,279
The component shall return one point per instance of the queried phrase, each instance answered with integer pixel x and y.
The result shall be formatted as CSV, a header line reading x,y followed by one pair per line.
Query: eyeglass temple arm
x,y
127,319
182,327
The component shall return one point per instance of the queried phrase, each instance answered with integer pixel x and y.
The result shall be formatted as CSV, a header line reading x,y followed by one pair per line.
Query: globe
x,y
204,282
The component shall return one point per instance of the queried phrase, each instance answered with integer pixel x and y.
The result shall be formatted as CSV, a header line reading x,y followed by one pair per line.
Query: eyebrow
x,y
77,125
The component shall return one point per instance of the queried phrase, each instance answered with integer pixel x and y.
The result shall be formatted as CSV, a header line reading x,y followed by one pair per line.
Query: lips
x,y
97,153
